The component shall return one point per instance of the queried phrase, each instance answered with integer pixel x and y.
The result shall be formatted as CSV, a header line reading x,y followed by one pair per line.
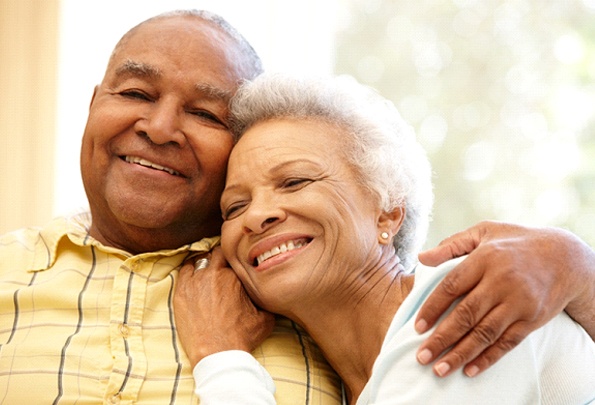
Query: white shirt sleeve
x,y
553,365
233,377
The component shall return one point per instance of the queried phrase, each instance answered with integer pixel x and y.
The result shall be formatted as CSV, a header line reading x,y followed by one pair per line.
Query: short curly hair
x,y
379,144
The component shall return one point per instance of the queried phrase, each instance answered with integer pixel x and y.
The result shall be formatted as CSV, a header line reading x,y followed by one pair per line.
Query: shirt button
x,y
124,330
114,399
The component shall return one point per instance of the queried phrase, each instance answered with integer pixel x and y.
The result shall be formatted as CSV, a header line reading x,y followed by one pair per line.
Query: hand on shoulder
x,y
516,278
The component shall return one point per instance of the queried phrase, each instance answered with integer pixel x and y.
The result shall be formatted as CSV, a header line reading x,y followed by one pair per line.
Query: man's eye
x,y
202,114
135,94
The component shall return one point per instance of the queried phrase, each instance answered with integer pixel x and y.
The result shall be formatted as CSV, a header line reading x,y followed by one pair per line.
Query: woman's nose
x,y
262,215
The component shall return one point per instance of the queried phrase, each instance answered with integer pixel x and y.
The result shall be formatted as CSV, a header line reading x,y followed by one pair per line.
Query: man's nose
x,y
162,125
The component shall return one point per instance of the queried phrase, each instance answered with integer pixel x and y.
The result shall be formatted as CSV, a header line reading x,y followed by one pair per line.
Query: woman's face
x,y
296,223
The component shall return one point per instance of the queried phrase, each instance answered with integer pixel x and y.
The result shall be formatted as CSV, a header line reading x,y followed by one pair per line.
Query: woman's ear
x,y
389,224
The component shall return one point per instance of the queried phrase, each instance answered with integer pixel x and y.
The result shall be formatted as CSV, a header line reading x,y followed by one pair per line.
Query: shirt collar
x,y
76,229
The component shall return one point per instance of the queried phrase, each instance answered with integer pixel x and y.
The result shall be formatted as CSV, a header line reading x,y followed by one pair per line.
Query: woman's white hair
x,y
379,144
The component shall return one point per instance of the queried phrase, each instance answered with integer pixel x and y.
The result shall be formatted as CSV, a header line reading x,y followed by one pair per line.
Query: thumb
x,y
457,245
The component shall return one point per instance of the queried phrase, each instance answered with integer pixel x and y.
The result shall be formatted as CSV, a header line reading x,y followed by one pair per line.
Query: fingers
x,y
505,343
184,278
456,245
210,297
217,259
467,319
521,278
459,244
213,260
482,327
201,263
459,281
487,341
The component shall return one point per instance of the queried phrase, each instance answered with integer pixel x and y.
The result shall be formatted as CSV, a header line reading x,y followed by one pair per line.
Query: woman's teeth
x,y
282,248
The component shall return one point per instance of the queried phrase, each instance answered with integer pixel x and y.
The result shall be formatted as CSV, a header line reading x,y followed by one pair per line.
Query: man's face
x,y
156,143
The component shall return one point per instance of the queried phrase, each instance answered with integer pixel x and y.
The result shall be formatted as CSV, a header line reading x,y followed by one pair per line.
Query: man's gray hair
x,y
255,63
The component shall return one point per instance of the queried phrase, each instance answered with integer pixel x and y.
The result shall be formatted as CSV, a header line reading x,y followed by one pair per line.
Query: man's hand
x,y
516,279
213,313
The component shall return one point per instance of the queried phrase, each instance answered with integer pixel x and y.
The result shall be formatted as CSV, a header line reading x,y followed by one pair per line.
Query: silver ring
x,y
201,264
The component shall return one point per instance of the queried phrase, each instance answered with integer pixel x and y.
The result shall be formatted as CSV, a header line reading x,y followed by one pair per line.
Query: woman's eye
x,y
296,182
233,211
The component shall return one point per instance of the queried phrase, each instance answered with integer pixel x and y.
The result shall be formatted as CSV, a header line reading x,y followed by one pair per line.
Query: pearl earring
x,y
384,235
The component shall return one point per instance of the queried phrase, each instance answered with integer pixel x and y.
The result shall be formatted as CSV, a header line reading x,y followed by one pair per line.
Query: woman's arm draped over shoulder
x,y
516,279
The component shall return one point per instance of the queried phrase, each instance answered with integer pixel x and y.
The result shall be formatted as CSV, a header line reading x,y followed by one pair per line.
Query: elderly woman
x,y
326,205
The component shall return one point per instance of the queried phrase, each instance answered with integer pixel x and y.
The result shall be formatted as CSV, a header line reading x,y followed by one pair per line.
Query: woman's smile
x,y
282,248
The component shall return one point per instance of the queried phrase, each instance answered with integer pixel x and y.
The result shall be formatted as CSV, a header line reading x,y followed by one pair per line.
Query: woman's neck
x,y
350,330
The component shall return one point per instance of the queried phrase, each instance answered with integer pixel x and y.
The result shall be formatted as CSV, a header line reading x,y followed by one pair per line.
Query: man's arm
x,y
516,279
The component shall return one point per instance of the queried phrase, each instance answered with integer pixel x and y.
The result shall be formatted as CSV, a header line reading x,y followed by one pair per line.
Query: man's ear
x,y
93,96
389,224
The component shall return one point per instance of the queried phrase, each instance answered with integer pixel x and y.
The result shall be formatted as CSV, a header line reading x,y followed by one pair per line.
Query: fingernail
x,y
421,326
441,369
424,356
471,371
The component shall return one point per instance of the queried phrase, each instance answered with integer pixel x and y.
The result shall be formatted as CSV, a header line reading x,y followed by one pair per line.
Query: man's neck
x,y
136,240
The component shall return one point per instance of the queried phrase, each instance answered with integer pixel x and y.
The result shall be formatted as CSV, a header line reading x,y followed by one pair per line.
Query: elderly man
x,y
86,303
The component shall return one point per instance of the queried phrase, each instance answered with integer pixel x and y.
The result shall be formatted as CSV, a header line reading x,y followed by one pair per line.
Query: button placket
x,y
124,330
115,399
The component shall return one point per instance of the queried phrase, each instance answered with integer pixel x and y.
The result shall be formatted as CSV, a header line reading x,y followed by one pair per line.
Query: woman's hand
x,y
516,279
213,313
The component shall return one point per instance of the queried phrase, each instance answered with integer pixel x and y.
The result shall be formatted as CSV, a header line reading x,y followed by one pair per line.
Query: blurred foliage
x,y
501,95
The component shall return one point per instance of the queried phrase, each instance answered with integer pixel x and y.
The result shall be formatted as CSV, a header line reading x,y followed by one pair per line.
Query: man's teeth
x,y
284,247
146,163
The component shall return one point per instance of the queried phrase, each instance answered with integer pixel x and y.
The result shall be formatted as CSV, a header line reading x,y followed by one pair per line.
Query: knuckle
x,y
533,311
485,333
459,358
509,340
466,316
495,352
440,341
451,285
487,359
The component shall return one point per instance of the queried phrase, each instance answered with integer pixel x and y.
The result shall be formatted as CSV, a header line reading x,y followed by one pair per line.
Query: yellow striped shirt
x,y
84,323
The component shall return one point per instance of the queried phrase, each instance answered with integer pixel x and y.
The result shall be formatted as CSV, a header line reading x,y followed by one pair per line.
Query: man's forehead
x,y
145,34
218,61
192,26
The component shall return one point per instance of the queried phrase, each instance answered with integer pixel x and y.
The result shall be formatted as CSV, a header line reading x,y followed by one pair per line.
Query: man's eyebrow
x,y
130,67
141,69
213,92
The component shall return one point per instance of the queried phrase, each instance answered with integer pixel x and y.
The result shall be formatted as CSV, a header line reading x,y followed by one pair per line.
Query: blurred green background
x,y
501,95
